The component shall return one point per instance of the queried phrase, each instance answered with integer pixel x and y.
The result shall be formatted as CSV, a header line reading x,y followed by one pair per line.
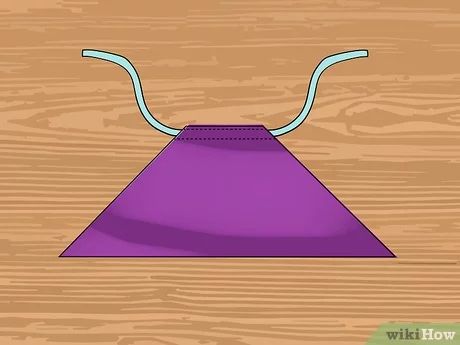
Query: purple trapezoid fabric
x,y
230,191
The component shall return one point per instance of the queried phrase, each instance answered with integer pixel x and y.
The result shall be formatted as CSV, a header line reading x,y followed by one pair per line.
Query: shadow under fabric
x,y
226,191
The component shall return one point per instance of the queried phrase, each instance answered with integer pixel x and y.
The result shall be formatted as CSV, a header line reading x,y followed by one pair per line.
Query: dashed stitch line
x,y
205,138
224,129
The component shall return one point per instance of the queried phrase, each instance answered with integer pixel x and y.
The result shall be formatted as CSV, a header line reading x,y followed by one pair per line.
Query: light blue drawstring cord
x,y
323,65
124,62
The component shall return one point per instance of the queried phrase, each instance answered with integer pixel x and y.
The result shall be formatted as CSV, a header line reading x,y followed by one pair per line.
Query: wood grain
x,y
384,136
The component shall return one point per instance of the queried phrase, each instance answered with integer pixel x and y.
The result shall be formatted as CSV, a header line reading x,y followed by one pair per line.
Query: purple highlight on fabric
x,y
226,191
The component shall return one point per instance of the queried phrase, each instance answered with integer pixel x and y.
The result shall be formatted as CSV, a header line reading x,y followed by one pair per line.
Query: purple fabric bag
x,y
224,191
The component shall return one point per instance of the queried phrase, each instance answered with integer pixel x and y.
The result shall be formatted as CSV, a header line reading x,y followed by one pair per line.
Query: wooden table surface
x,y
384,136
